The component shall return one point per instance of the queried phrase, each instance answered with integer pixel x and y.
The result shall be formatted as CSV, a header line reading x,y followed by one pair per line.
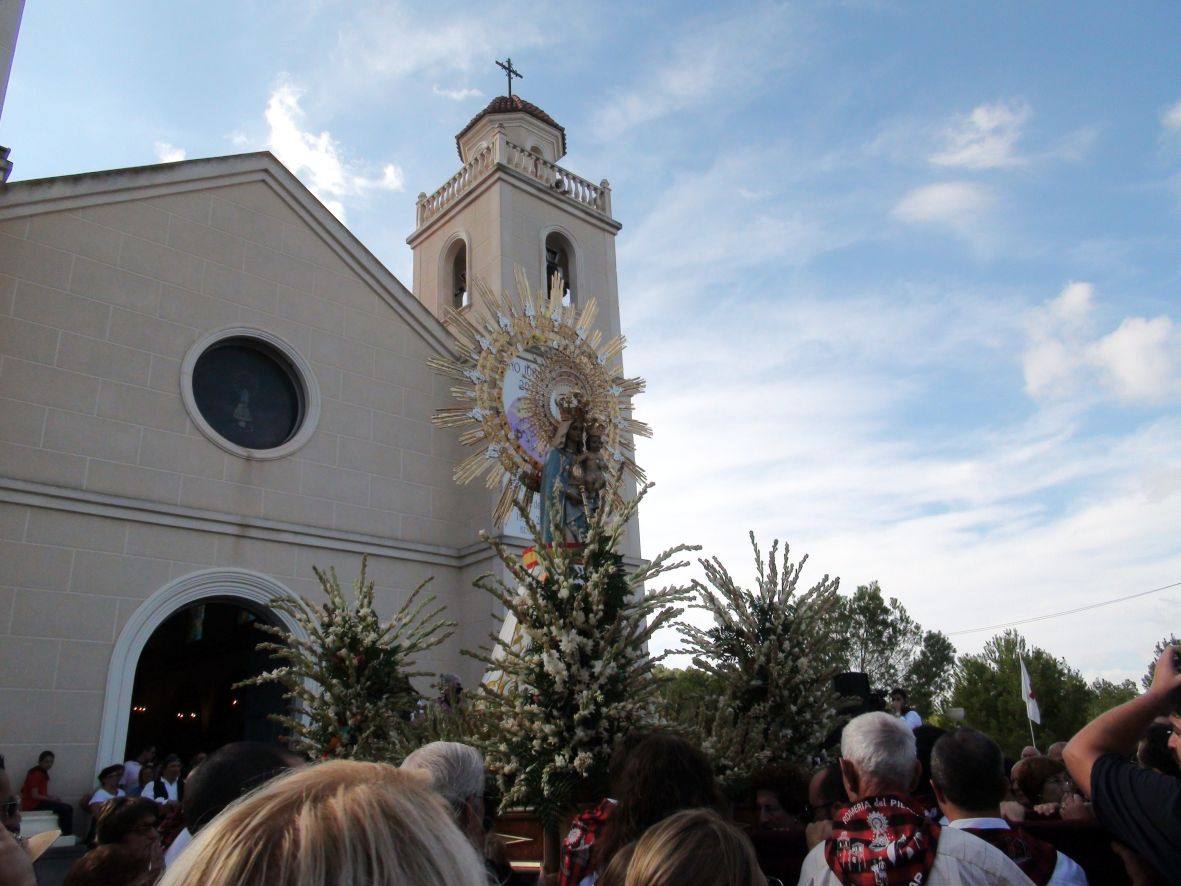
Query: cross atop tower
x,y
507,67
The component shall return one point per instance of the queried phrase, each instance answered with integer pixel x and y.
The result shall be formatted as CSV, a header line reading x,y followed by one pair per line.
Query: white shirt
x,y
101,795
172,788
183,839
912,718
1066,870
960,860
131,774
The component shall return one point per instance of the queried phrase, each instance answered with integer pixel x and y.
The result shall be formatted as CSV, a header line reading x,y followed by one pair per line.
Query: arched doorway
x,y
183,699
235,588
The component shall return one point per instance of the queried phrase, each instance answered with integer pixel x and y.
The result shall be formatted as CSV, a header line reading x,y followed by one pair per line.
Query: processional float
x,y
545,406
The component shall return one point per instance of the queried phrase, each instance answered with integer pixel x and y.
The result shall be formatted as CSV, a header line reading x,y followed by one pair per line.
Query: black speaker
x,y
852,683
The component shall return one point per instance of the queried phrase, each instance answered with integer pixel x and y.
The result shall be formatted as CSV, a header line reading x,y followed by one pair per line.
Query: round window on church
x,y
250,393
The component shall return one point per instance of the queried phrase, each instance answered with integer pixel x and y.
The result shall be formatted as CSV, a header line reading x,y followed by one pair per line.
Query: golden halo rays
x,y
542,349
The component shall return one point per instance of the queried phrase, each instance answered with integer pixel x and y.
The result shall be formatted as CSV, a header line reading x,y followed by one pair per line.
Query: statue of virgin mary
x,y
562,511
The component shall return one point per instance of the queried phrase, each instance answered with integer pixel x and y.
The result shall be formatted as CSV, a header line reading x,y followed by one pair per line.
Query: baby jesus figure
x,y
590,469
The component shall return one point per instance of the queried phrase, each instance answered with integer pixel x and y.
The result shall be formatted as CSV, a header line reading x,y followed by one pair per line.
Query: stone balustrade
x,y
505,153
456,186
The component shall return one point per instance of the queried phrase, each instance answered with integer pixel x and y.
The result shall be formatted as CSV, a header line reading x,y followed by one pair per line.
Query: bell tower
x,y
511,205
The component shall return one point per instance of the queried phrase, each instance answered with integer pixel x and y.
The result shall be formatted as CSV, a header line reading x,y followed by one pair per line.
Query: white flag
x,y
1031,709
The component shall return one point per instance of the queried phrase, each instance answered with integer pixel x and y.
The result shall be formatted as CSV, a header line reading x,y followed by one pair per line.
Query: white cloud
x,y
1050,367
986,138
705,60
317,157
167,153
393,40
1074,146
457,95
1137,361
1170,118
960,205
239,139
708,229
1072,306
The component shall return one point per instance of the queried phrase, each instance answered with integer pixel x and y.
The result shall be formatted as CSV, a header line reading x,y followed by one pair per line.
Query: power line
x,y
1023,621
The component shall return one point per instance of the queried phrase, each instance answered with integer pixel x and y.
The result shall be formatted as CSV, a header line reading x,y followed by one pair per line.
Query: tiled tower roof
x,y
504,104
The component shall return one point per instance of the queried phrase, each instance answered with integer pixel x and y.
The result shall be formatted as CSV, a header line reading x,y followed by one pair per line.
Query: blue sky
x,y
903,277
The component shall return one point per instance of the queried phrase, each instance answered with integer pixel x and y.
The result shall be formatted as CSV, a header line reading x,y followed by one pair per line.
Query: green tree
x,y
928,679
880,636
988,687
881,640
1170,640
1106,695
684,692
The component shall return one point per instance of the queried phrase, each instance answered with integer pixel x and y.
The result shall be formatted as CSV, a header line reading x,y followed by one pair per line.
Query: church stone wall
x,y
101,307
109,491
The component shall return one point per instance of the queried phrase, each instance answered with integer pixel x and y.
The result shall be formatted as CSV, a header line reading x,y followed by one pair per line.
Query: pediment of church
x,y
246,213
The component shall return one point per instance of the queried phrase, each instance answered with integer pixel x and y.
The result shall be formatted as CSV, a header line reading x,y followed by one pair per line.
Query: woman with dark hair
x,y
900,706
129,821
108,788
109,865
663,774
587,827
133,822
1045,784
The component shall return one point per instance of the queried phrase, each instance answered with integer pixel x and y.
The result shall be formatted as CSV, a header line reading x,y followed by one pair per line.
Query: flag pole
x,y
1032,740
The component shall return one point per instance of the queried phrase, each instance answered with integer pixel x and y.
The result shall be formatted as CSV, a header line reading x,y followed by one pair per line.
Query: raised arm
x,y
1118,730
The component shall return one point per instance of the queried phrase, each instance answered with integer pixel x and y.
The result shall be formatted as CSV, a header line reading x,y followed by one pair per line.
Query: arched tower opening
x,y
559,261
454,277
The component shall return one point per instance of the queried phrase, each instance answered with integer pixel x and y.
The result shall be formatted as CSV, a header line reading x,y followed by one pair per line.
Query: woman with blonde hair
x,y
333,824
696,847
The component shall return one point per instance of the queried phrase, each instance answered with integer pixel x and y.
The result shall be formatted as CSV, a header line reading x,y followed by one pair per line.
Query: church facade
x,y
208,386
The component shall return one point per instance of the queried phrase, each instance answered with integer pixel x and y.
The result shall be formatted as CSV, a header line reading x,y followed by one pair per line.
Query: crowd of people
x,y
905,802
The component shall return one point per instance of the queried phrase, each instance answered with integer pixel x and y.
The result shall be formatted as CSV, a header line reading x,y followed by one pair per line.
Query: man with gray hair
x,y
882,836
456,772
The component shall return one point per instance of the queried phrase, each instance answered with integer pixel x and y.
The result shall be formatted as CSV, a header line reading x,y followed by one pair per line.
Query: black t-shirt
x,y
1142,808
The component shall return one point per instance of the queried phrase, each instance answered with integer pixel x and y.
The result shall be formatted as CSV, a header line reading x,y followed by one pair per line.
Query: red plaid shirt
x,y
576,848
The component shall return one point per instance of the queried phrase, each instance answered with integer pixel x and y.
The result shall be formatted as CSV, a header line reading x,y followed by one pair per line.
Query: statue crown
x,y
571,406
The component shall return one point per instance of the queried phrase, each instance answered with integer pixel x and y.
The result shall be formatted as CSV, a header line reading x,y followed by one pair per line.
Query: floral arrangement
x,y
347,681
774,653
579,676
